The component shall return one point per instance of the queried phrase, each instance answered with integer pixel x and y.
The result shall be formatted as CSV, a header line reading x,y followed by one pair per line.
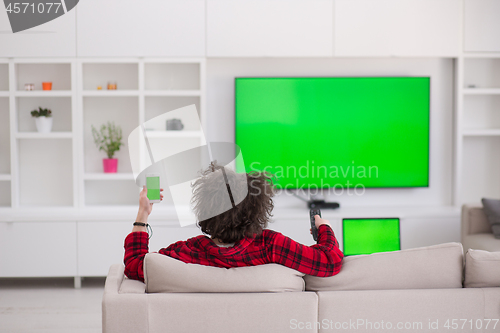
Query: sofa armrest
x,y
114,279
474,221
122,312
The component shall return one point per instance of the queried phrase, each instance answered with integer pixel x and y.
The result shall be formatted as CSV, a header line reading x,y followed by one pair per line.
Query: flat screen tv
x,y
328,132
366,236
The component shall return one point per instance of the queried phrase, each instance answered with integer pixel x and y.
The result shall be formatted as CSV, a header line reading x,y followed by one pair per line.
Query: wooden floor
x,y
50,305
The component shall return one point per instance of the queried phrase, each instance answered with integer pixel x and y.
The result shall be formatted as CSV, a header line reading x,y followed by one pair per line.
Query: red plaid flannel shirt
x,y
322,259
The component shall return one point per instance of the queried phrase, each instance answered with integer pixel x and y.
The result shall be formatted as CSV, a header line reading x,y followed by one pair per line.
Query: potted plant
x,y
43,120
108,139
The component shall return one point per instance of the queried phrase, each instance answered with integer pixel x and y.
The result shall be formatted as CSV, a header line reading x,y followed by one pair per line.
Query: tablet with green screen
x,y
365,236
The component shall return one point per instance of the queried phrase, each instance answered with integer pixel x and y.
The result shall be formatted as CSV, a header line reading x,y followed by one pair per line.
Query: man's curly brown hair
x,y
247,218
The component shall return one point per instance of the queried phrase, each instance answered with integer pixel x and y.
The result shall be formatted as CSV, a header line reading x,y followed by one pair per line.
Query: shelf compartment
x,y
124,112
57,73
45,172
109,176
126,75
165,147
4,78
482,72
480,176
159,105
51,135
481,111
172,76
5,194
61,113
5,177
4,136
111,192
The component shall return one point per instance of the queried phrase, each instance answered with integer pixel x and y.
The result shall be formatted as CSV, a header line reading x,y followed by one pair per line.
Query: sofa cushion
x,y
232,313
387,311
432,267
492,210
163,274
482,269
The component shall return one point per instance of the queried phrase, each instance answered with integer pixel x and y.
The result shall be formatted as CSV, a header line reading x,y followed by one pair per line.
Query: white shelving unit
x,y
477,127
55,181
63,168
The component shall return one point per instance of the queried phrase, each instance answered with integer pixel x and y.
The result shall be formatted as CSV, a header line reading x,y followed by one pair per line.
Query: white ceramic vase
x,y
43,124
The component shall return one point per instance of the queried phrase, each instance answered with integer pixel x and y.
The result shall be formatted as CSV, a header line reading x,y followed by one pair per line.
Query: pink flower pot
x,y
110,165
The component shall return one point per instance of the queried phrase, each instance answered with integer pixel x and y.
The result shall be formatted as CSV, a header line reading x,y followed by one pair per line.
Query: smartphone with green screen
x,y
153,187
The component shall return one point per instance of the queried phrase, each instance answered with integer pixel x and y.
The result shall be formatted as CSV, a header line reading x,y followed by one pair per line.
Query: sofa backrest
x,y
474,221
482,269
432,267
163,274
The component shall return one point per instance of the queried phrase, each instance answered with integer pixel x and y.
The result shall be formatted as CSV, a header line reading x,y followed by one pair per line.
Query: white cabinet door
x,y
141,28
100,244
482,26
397,28
56,38
420,232
274,28
29,249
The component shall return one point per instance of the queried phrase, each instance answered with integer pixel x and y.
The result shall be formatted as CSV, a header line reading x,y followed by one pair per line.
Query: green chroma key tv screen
x,y
335,131
365,236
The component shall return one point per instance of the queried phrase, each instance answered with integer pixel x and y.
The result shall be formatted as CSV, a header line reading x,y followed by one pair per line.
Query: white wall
x,y
482,26
220,111
118,28
56,38
272,28
255,28
397,28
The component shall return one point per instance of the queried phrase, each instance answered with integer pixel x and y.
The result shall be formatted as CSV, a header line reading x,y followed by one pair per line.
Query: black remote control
x,y
312,213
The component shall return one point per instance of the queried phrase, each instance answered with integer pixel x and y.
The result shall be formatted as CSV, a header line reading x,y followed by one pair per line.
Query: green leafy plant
x,y
108,138
41,113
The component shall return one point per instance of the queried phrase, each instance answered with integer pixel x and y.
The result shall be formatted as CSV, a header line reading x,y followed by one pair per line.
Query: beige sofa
x,y
416,290
476,230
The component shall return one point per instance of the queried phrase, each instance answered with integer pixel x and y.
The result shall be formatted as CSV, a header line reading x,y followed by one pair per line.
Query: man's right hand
x,y
145,207
319,221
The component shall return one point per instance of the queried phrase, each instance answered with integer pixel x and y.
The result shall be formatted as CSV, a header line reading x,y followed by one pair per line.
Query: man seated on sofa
x,y
237,236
